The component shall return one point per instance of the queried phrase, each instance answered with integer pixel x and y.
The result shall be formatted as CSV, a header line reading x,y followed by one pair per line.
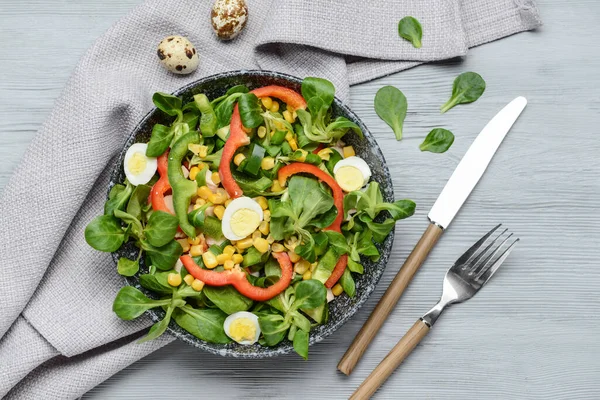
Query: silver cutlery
x,y
463,280
464,178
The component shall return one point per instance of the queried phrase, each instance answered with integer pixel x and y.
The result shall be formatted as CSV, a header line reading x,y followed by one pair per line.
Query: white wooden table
x,y
533,333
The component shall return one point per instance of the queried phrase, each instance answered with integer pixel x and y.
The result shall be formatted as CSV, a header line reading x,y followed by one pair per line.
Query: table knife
x,y
457,189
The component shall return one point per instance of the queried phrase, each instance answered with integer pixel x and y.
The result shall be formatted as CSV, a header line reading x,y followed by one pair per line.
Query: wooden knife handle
x,y
394,358
389,299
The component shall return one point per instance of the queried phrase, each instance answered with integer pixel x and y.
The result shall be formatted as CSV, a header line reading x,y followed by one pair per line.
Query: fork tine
x,y
494,267
466,257
480,267
476,261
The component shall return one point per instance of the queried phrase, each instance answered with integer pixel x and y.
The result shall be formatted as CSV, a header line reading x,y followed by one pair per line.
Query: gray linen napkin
x,y
56,299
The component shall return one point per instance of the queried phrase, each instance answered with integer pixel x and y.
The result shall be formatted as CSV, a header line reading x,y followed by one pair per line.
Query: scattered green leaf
x,y
467,87
437,141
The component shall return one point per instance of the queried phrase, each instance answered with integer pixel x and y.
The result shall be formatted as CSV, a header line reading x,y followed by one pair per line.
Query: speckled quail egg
x,y
178,55
139,168
242,326
229,17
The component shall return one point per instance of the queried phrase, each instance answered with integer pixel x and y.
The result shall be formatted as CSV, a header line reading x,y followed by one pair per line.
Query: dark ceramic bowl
x,y
343,307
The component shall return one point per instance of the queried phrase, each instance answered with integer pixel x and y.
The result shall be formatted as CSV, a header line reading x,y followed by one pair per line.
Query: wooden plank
x,y
532,333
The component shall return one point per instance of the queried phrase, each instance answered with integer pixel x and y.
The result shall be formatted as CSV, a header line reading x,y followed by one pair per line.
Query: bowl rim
x,y
284,347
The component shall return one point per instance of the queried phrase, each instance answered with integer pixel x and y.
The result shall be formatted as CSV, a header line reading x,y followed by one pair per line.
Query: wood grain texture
x,y
532,333
390,298
401,350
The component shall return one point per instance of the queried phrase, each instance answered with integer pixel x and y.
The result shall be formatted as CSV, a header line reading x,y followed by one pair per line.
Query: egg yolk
x,y
244,221
137,163
349,178
242,329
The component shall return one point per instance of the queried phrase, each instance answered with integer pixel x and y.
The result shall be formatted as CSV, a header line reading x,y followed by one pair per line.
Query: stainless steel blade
x,y
473,164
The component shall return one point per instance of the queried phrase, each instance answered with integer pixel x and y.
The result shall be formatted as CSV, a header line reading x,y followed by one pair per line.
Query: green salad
x,y
250,214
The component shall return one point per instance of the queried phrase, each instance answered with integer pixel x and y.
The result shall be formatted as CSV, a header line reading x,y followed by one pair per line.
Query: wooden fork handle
x,y
394,358
389,299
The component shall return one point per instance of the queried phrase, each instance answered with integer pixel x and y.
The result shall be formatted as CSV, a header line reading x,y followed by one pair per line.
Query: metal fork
x,y
468,274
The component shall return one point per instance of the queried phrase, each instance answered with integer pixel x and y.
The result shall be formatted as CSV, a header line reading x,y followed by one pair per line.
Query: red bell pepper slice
x,y
238,138
338,199
338,195
238,279
157,193
337,272
289,96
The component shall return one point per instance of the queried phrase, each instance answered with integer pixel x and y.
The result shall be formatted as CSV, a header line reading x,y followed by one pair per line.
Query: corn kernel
x,y
196,206
325,154
261,245
267,102
276,187
293,144
294,115
267,163
210,260
174,279
289,136
217,198
307,275
228,202
348,151
264,228
203,151
301,267
197,285
237,160
196,250
277,248
262,202
194,241
229,249
337,289
237,258
274,107
188,279
221,258
270,239
288,116
262,132
256,234
219,211
184,244
293,256
200,201
203,192
279,125
244,243
193,172
267,215
228,264
216,178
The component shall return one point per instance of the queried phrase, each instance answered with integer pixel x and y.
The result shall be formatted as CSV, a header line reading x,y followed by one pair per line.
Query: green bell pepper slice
x,y
183,189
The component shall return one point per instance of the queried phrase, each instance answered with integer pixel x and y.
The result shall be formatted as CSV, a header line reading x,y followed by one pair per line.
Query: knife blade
x,y
474,163
457,189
